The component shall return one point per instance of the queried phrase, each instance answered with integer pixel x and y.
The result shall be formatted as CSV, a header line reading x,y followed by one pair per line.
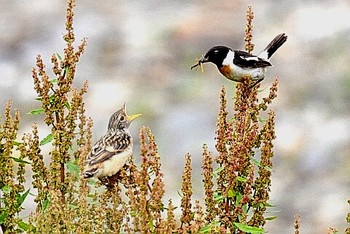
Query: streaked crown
x,y
120,119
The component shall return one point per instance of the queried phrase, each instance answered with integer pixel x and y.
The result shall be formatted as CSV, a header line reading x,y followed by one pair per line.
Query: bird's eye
x,y
121,118
216,51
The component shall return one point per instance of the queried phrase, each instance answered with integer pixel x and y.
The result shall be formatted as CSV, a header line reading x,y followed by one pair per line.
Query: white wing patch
x,y
250,58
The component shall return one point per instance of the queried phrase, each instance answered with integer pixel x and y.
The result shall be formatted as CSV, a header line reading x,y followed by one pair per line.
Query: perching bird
x,y
110,153
237,64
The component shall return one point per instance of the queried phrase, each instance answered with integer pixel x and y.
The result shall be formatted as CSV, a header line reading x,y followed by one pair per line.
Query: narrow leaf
x,y
241,179
67,105
256,162
271,218
47,139
217,171
36,112
16,143
22,197
52,81
19,160
249,229
206,229
59,56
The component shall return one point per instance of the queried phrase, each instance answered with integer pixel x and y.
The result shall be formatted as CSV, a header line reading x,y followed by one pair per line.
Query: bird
x,y
110,153
235,65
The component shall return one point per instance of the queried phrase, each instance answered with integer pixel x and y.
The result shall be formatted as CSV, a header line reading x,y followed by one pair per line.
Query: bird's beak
x,y
132,117
204,60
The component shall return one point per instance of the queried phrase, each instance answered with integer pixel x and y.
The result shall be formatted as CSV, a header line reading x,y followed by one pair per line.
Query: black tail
x,y
276,43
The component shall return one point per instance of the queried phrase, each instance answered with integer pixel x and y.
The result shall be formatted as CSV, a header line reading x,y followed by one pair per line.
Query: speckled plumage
x,y
111,151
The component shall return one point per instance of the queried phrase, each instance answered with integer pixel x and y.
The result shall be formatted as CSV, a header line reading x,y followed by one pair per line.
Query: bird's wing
x,y
246,60
108,146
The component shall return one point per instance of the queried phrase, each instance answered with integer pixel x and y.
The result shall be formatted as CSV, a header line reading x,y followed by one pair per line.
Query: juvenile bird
x,y
110,153
237,64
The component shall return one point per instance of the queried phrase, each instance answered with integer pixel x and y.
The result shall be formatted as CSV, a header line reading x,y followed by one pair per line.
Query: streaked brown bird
x,y
111,152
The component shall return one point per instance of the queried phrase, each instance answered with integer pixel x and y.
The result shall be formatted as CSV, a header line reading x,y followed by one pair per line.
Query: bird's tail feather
x,y
271,48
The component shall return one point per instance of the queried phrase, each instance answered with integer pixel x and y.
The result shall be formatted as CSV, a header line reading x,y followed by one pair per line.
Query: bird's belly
x,y
115,163
237,74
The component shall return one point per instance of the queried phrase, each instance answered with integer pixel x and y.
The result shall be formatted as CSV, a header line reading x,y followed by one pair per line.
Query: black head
x,y
216,55
120,119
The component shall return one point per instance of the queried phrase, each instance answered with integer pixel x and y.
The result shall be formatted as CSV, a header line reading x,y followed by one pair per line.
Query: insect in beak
x,y
200,64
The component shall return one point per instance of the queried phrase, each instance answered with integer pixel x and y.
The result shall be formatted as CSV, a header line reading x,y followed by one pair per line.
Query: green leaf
x,y
67,70
241,179
6,189
21,198
47,139
206,228
18,160
262,90
3,215
67,105
256,162
249,229
268,168
217,171
179,193
133,213
271,218
261,120
73,168
45,203
238,198
59,56
23,225
245,208
36,112
17,143
51,97
230,193
151,225
218,197
52,81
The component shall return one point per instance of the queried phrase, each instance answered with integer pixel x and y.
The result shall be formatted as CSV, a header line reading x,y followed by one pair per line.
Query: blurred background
x,y
141,52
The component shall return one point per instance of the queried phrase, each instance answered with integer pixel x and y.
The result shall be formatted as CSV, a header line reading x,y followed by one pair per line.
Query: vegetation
x,y
236,178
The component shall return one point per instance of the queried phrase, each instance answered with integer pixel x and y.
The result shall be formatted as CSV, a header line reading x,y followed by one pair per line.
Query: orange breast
x,y
226,71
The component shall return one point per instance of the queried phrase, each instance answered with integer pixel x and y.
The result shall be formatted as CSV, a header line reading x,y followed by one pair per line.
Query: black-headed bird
x,y
235,65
